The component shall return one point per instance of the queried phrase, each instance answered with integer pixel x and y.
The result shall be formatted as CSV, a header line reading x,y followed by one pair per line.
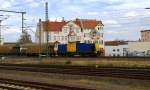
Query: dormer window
x,y
71,28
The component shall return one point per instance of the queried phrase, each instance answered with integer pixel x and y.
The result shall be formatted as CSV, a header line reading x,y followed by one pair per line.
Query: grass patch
x,y
98,63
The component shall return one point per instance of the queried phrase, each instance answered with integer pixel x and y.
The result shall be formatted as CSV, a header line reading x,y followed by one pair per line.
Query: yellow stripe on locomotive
x,y
71,47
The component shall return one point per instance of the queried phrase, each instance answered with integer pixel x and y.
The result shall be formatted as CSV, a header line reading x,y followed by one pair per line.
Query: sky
x,y
122,19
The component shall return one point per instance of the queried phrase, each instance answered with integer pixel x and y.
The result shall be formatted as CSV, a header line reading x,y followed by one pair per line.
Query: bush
x,y
68,62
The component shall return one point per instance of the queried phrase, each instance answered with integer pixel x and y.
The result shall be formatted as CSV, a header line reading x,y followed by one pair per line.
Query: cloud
x,y
55,19
118,16
111,23
101,1
33,3
11,31
5,4
130,4
131,14
116,32
93,13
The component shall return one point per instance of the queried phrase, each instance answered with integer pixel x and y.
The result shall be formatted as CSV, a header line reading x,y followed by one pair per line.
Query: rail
x,y
25,85
143,74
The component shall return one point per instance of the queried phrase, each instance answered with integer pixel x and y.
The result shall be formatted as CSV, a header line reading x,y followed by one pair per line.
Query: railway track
x,y
77,58
143,74
9,84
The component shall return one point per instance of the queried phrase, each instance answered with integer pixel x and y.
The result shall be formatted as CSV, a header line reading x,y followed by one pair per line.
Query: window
x,y
65,30
78,38
62,38
54,38
66,38
118,50
102,41
77,30
86,34
118,55
49,38
72,38
114,50
58,38
124,49
99,42
101,34
148,52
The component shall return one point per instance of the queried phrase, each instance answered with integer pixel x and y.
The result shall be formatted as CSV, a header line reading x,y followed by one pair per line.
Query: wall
x,y
139,48
145,36
116,51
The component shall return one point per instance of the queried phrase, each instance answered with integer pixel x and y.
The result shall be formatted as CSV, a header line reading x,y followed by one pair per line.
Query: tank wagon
x,y
36,49
9,49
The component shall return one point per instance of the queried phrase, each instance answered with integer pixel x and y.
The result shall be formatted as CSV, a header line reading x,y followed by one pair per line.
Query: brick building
x,y
145,36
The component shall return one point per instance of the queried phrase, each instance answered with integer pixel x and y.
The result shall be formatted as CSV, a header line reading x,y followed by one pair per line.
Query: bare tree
x,y
25,38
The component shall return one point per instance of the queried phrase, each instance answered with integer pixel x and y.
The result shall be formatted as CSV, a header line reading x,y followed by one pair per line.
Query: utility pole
x,y
0,33
25,37
22,13
46,19
1,28
40,37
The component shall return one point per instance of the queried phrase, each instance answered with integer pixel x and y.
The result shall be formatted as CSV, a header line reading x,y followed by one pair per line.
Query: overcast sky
x,y
123,19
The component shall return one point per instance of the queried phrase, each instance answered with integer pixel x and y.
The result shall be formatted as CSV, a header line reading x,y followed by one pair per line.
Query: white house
x,y
116,48
81,30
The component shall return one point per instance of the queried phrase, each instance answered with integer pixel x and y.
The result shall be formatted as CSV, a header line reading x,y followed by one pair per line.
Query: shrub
x,y
68,62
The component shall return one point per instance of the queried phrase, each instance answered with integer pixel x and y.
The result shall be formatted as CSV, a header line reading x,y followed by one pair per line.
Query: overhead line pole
x,y
46,18
0,33
22,13
1,29
40,38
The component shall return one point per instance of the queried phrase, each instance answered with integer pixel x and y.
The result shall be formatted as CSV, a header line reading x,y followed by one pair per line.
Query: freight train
x,y
70,49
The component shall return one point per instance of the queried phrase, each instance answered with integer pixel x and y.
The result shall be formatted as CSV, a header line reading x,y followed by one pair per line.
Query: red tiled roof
x,y
87,23
57,26
53,26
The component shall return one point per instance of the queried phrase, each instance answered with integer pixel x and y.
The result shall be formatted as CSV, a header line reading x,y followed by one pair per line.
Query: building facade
x,y
116,49
79,30
145,36
139,48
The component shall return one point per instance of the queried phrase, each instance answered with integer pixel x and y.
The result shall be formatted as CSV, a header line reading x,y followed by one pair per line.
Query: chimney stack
x,y
63,19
